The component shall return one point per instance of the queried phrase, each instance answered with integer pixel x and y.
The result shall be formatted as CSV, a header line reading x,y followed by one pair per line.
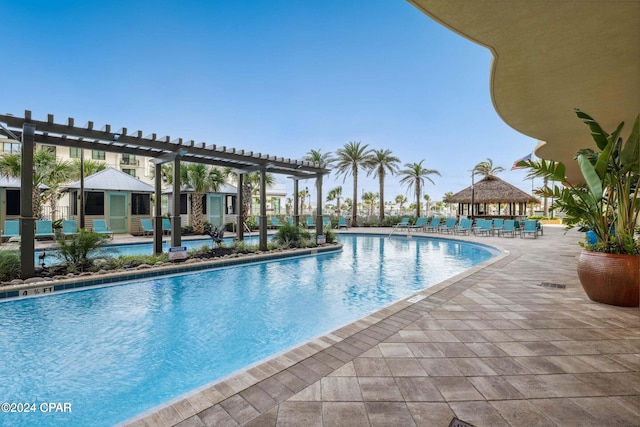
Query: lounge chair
x,y
465,226
404,223
275,222
100,227
290,220
147,226
508,227
498,223
11,228
166,226
419,224
478,225
310,223
449,225
44,228
342,222
433,226
530,227
485,228
69,227
326,222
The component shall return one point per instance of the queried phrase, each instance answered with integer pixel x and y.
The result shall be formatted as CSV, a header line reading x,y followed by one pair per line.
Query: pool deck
x,y
492,346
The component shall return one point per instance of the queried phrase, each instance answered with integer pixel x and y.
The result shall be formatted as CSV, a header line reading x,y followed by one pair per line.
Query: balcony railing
x,y
130,162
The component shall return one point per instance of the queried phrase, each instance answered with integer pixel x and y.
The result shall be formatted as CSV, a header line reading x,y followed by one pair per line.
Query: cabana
x,y
491,190
118,198
218,208
10,190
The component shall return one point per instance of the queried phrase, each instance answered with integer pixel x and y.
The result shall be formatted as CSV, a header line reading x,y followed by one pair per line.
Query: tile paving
x,y
490,346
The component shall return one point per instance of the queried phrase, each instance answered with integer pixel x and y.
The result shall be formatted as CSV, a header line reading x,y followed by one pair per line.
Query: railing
x,y
130,162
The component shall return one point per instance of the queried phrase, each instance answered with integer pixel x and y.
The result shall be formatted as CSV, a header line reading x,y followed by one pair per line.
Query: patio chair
x,y
485,229
419,224
275,222
44,228
478,225
326,222
404,223
11,228
498,223
290,220
449,226
530,228
69,227
433,226
465,226
147,226
100,227
342,222
166,226
508,227
310,223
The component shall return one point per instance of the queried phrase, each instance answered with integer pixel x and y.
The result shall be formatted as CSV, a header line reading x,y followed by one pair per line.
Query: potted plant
x,y
608,205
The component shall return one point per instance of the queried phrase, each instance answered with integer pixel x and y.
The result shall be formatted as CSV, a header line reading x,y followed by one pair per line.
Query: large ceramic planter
x,y
610,278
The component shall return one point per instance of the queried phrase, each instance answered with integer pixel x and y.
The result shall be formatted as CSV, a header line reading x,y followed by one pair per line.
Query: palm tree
x,y
401,200
47,170
58,174
201,179
335,194
315,156
349,159
427,200
250,188
380,163
302,195
414,176
369,200
447,195
486,168
90,167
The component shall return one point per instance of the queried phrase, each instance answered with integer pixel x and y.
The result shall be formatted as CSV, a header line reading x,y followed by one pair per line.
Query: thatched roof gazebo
x,y
491,190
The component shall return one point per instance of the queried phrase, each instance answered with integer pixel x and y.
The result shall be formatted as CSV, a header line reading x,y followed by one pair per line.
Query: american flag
x,y
525,159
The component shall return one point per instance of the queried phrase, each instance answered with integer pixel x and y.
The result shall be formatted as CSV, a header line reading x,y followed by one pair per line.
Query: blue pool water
x,y
114,352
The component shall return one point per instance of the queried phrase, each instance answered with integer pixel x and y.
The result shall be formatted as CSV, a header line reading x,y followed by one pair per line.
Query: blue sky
x,y
280,77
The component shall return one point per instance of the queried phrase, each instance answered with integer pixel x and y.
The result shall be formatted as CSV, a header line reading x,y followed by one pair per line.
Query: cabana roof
x,y
14,183
492,189
224,189
111,179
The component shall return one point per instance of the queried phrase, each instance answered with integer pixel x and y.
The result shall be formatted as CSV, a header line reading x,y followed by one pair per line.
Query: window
x,y
140,204
94,203
75,152
131,172
204,204
183,204
73,199
11,147
13,202
129,159
97,154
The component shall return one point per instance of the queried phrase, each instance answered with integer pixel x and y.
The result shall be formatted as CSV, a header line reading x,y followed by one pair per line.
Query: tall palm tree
x,y
401,200
335,194
427,199
414,176
302,195
251,187
58,174
90,167
486,168
381,162
349,159
369,199
315,156
201,179
47,170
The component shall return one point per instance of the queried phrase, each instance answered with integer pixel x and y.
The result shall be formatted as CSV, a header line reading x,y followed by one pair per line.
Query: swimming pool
x,y
116,351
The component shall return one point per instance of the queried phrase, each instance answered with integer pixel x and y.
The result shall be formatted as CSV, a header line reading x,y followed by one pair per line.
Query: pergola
x,y
161,150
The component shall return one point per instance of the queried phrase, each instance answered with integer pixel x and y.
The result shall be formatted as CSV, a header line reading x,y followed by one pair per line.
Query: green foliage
x,y
9,265
79,250
290,236
128,261
608,202
330,235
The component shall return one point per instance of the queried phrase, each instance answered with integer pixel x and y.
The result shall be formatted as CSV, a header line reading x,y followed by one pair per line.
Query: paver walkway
x,y
492,347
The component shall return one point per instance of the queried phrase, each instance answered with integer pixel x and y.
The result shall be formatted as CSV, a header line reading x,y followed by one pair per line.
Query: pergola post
x,y
27,231
157,219
240,217
296,209
175,218
319,221
263,209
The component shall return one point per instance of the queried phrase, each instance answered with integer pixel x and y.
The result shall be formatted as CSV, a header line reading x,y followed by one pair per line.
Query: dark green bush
x,y
79,250
291,236
9,265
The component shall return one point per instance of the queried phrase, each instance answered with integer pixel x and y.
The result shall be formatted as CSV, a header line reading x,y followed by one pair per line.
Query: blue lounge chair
x,y
11,228
433,226
498,223
465,226
310,223
290,220
342,222
166,226
419,224
530,228
147,226
478,225
509,226
275,222
485,229
404,223
326,222
100,227
69,227
449,225
44,228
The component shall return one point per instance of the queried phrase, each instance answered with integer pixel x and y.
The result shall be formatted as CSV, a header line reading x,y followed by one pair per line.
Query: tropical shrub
x,y
9,265
79,250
